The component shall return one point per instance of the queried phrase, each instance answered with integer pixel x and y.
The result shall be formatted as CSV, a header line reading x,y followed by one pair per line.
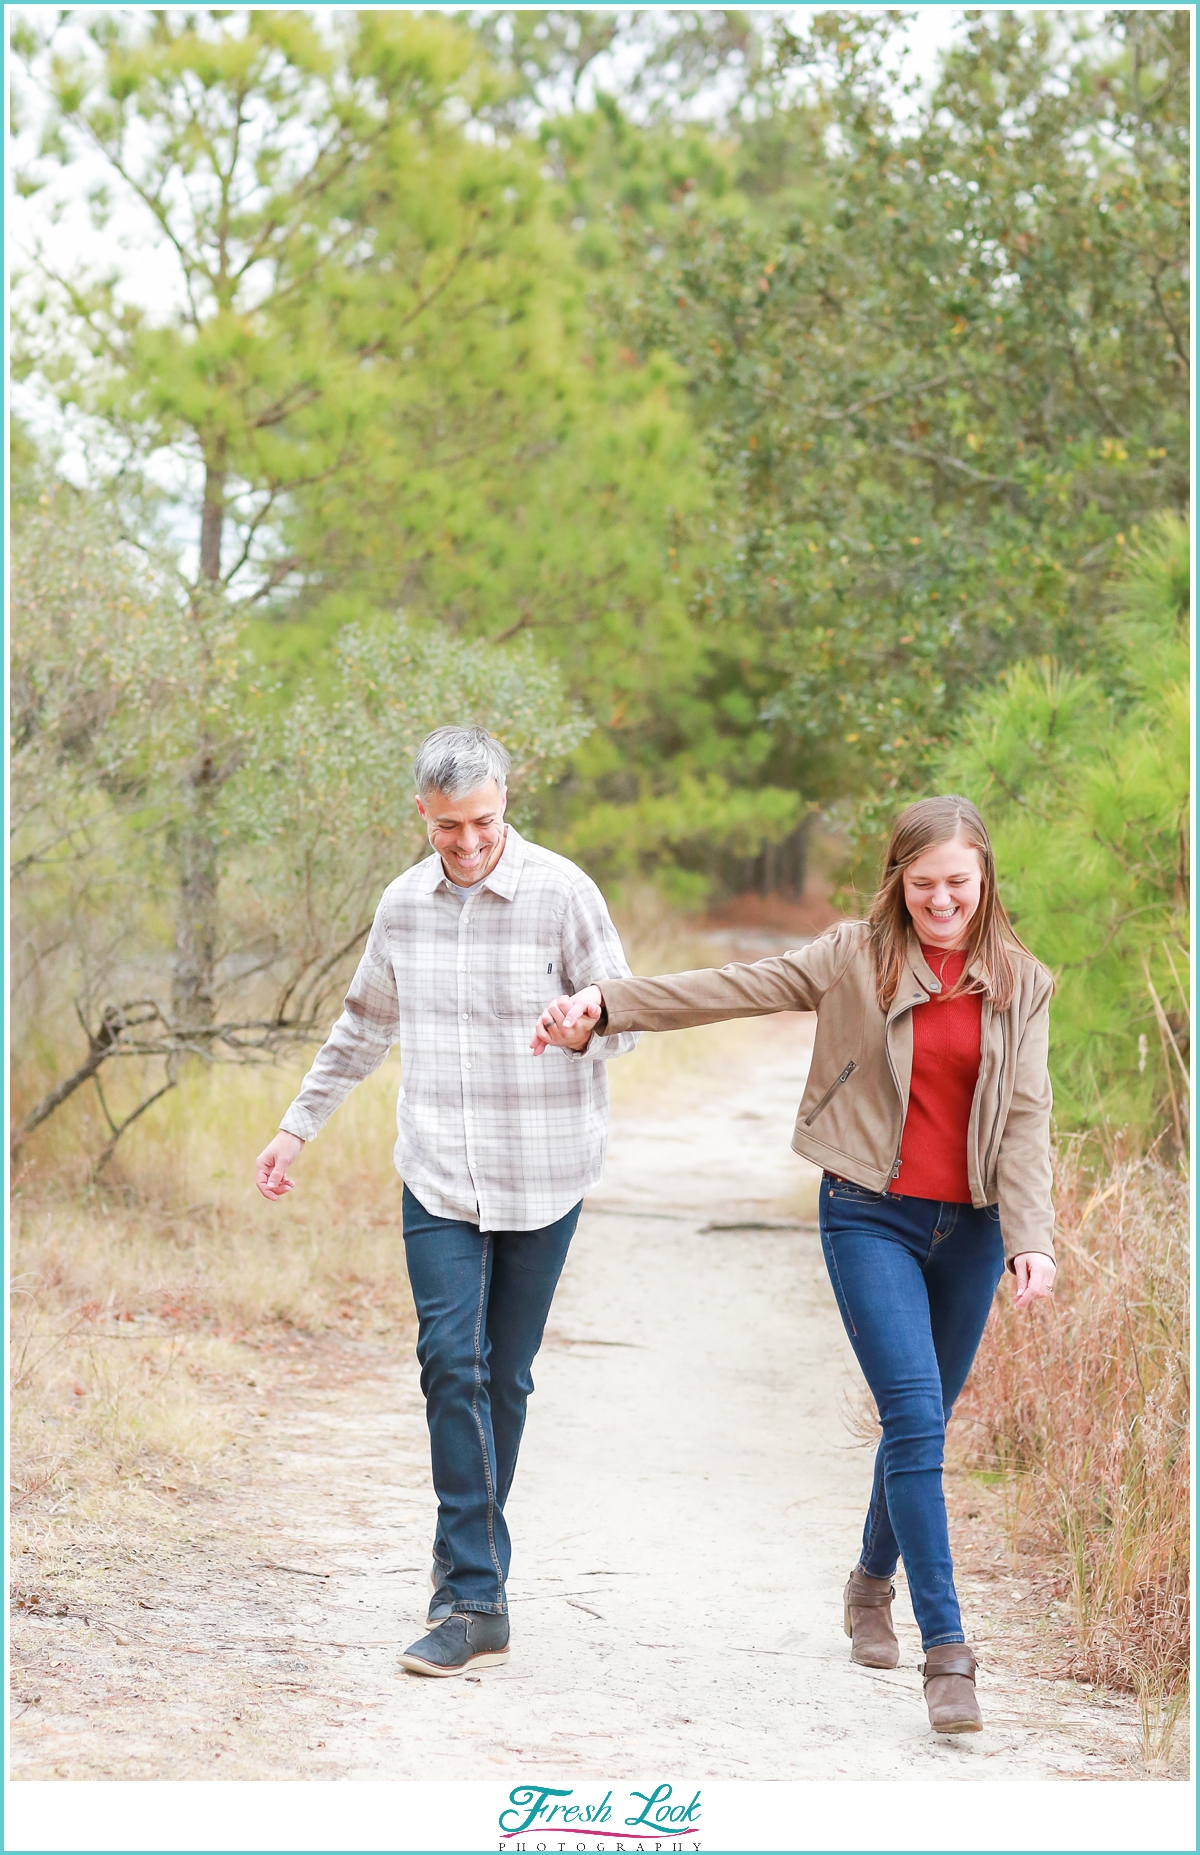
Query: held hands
x,y
1034,1278
568,1023
270,1168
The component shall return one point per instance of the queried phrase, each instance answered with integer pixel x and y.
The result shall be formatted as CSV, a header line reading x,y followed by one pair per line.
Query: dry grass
x,y
1082,1408
149,1313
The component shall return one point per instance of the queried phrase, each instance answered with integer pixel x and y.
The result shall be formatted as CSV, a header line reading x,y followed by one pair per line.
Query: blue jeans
x,y
914,1281
482,1299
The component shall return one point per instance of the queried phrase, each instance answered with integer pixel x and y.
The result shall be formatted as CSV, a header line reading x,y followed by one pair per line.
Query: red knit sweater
x,y
933,1147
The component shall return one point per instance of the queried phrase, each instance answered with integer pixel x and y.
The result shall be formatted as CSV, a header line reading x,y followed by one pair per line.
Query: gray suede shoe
x,y
467,1639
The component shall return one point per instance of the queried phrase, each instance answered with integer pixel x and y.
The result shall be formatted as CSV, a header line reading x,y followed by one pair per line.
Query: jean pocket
x,y
847,1190
992,1211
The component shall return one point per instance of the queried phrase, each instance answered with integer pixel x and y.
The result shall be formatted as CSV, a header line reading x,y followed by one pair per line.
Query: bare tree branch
x,y
119,1128
102,1045
326,967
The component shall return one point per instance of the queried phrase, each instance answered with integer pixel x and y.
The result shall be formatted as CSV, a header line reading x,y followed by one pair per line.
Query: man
x,y
496,1150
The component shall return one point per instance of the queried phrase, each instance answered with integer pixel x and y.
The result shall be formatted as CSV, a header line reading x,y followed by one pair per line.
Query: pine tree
x,y
1084,785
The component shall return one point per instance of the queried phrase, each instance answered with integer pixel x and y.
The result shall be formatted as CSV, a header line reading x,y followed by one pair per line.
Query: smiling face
x,y
467,832
942,890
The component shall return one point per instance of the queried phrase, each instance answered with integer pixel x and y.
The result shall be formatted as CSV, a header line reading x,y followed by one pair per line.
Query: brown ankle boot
x,y
867,1607
949,1672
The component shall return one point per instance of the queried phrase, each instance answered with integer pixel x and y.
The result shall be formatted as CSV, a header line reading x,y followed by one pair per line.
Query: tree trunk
x,y
793,860
199,862
212,520
196,919
778,869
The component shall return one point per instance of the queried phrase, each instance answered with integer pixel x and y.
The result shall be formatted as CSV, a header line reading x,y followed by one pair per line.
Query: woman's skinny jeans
x,y
914,1281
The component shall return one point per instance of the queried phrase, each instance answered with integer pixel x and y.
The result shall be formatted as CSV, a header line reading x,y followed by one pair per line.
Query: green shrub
x,y
1084,783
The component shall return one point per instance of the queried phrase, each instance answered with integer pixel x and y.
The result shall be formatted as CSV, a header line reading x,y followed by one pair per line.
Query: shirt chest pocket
x,y
525,982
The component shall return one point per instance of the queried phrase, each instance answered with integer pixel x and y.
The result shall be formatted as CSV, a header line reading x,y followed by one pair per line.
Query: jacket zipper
x,y
831,1090
987,1158
887,1051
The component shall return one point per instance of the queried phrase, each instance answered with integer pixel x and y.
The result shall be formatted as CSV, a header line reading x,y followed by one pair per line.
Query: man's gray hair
x,y
458,760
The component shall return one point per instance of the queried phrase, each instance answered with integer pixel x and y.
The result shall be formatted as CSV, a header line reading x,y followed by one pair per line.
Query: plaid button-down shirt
x,y
487,1131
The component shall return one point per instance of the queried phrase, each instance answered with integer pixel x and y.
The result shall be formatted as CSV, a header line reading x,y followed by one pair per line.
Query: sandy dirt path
x,y
687,1508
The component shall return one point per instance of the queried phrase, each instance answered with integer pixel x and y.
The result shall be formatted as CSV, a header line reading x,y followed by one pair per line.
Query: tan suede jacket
x,y
852,1115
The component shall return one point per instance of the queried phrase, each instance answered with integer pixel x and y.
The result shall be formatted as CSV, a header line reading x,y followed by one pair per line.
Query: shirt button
x,y
466,1017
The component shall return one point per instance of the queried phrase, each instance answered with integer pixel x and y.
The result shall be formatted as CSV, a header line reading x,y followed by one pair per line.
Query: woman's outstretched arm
x,y
795,981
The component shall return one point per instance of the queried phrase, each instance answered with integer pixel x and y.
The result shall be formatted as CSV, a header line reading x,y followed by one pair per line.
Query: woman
x,y
928,1109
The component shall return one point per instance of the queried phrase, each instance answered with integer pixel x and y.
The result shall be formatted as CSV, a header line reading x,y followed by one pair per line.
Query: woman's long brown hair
x,y
991,936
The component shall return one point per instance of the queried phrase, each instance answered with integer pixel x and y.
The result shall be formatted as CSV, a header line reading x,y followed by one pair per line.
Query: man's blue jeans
x,y
482,1299
914,1281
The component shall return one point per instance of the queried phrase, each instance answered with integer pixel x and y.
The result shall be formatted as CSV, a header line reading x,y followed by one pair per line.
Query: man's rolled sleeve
x,y
357,1044
592,953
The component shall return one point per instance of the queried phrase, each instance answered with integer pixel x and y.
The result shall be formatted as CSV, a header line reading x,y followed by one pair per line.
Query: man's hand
x,y
1035,1278
568,1023
270,1168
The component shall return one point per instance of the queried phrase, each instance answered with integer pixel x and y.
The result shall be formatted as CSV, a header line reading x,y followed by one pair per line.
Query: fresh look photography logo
x,y
655,1822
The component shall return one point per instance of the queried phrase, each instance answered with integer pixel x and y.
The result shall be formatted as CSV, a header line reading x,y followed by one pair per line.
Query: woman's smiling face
x,y
942,890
